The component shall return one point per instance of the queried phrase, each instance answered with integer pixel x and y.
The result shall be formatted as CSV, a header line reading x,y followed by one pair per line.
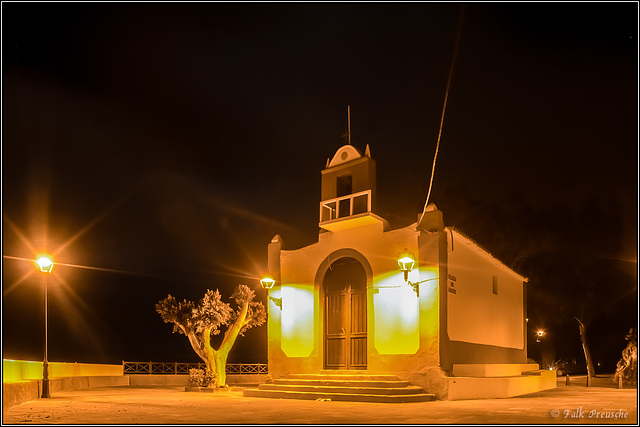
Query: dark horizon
x,y
175,140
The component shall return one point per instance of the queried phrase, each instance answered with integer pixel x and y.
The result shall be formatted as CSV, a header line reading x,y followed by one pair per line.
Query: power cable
x,y
444,108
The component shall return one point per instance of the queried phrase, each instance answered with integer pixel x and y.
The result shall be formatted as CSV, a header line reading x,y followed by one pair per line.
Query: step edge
x,y
354,390
329,395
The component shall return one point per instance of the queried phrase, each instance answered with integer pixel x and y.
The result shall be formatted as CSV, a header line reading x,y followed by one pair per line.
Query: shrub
x,y
627,368
201,377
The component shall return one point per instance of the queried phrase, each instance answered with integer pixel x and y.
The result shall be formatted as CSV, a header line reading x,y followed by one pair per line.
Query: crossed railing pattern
x,y
176,368
247,368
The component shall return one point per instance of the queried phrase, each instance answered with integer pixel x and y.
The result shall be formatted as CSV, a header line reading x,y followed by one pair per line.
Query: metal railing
x,y
345,206
176,368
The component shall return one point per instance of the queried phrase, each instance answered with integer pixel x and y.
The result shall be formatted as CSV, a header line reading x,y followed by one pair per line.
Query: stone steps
x,y
343,383
342,376
341,387
345,389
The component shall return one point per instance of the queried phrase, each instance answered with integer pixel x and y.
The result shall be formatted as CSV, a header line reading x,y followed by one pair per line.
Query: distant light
x,y
267,282
45,264
540,333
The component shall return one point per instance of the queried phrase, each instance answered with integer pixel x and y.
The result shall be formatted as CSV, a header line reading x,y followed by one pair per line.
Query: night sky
x,y
157,148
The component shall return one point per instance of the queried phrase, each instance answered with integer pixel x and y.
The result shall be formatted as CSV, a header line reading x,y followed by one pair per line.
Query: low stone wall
x,y
19,392
22,380
15,393
500,387
165,380
21,370
493,369
183,380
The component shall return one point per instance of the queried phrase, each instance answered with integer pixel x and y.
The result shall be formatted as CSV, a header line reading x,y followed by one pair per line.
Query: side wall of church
x,y
482,306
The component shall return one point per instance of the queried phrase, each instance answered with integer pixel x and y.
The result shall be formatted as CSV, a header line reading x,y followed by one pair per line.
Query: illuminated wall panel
x,y
396,317
22,370
475,314
297,320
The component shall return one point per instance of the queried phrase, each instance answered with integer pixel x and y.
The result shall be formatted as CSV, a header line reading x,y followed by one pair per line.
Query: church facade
x,y
419,302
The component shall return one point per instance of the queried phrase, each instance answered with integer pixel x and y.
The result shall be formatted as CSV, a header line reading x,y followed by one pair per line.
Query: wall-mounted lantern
x,y
267,283
406,263
539,335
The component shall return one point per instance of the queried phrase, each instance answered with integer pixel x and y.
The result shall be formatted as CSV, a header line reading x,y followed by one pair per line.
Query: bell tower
x,y
348,190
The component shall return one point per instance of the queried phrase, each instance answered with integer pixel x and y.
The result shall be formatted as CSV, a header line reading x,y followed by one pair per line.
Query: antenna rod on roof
x,y
349,124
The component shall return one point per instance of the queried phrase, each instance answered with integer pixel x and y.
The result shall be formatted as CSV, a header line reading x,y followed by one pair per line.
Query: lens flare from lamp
x,y
45,264
267,282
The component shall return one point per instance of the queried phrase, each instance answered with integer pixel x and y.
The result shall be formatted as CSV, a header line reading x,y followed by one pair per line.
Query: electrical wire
x,y
444,108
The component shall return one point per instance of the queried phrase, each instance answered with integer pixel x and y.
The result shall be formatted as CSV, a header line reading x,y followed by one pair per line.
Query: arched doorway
x,y
345,315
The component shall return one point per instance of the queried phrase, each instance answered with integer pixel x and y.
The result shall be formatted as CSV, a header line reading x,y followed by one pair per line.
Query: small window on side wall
x,y
495,285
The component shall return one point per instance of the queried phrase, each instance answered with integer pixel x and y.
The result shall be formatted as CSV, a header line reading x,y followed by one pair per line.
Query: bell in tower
x,y
348,190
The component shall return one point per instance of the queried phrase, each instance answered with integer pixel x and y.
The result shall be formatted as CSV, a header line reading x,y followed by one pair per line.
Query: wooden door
x,y
345,301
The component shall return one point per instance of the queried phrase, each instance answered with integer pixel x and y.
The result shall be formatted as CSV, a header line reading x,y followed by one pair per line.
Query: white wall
x,y
474,313
392,308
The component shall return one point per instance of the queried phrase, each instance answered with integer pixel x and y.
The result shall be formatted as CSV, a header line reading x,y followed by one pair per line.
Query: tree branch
x,y
233,331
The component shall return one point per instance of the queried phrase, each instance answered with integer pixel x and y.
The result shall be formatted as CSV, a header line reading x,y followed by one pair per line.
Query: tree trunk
x,y
585,346
217,359
220,369
213,361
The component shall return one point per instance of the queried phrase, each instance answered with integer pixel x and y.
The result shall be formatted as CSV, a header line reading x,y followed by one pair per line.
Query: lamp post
x,y
46,265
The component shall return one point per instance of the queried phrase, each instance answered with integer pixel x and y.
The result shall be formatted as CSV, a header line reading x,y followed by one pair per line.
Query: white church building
x,y
423,304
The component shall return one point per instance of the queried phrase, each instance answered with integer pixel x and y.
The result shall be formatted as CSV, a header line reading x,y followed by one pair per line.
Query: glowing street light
x,y
539,334
46,265
406,263
267,283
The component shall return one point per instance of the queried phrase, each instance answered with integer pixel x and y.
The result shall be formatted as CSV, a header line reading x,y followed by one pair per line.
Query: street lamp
x,y
539,334
267,283
46,265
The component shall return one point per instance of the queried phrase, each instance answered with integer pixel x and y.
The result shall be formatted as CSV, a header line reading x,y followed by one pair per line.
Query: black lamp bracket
x,y
277,301
416,288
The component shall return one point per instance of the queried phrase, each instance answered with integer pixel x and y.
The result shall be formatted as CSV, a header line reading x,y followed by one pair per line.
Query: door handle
x,y
342,331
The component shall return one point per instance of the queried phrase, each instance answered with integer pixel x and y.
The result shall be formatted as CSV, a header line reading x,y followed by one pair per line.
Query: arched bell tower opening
x,y
345,315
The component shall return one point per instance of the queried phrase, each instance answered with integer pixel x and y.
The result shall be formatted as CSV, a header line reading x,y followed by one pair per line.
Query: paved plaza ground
x,y
172,405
